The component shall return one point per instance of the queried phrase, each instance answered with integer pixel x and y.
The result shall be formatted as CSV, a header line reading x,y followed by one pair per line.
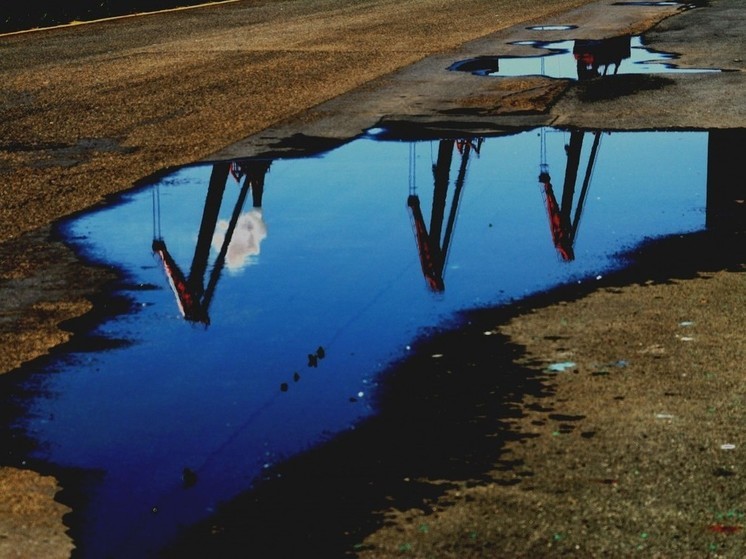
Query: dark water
x,y
579,59
300,281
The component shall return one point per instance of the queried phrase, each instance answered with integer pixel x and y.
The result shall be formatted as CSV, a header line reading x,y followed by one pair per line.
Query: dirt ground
x,y
621,454
633,450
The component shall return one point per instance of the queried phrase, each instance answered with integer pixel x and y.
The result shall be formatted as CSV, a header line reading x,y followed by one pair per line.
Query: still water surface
x,y
325,252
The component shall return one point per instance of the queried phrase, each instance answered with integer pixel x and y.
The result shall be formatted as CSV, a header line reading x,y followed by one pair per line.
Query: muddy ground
x,y
603,459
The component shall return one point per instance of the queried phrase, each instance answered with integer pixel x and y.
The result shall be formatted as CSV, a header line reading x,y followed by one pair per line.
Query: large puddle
x,y
270,296
579,59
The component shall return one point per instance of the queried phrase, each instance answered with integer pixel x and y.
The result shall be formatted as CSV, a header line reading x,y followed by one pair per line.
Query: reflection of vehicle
x,y
563,225
595,57
192,297
432,251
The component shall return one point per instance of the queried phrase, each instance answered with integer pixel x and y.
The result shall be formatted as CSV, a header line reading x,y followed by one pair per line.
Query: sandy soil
x,y
30,524
602,459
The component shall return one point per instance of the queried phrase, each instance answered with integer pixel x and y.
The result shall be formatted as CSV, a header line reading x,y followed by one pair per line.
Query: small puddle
x,y
578,59
269,297
662,4
551,27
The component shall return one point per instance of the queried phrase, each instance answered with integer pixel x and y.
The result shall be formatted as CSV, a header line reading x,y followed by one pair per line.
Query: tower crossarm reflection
x,y
192,296
433,244
562,222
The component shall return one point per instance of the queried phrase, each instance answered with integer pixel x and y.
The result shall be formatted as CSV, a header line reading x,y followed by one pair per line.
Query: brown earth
x,y
30,525
619,460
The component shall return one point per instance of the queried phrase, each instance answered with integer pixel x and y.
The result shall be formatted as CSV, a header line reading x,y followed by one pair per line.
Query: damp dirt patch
x,y
618,86
45,286
532,96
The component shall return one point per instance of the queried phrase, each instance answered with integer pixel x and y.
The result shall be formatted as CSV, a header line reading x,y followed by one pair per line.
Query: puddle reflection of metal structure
x,y
563,224
192,296
433,243
433,249
726,187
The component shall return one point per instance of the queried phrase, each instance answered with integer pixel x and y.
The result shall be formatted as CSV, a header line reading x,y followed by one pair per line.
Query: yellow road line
x,y
113,18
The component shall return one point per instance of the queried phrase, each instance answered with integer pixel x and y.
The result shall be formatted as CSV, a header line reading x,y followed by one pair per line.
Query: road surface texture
x,y
596,464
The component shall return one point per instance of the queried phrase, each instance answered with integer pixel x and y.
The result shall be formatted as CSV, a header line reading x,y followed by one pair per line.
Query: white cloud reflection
x,y
250,232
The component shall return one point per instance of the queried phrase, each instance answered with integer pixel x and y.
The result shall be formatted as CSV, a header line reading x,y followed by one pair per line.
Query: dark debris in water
x,y
188,478
564,417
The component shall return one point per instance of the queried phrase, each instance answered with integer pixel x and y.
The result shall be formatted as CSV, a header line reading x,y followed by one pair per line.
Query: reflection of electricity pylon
x,y
192,297
433,253
563,225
